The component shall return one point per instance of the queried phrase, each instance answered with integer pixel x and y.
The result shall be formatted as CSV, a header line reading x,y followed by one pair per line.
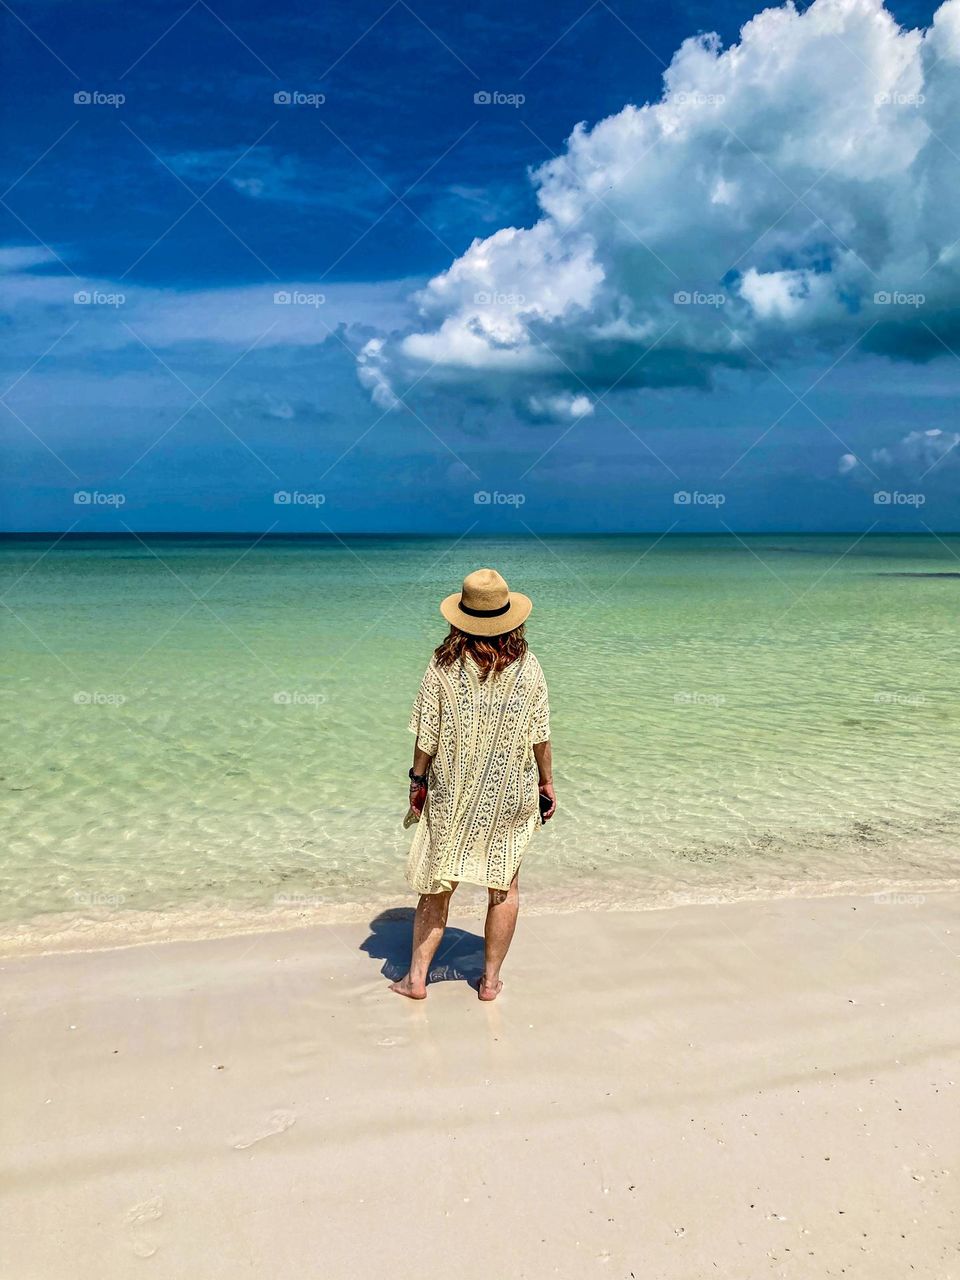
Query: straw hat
x,y
486,606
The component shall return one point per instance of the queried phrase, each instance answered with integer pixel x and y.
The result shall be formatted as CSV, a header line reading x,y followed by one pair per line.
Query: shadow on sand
x,y
459,957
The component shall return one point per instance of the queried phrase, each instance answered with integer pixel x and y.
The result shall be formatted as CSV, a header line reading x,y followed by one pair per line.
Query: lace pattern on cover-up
x,y
482,796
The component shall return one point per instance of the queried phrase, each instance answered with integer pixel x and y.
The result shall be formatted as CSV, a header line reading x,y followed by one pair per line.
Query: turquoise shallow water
x,y
207,734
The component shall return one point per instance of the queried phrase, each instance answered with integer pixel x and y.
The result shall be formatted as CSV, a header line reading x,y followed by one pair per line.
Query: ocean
x,y
208,734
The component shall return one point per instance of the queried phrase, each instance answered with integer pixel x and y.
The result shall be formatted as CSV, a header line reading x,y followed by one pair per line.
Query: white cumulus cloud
x,y
556,407
794,191
917,453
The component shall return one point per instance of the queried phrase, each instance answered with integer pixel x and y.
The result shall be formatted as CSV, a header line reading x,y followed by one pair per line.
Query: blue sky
x,y
212,297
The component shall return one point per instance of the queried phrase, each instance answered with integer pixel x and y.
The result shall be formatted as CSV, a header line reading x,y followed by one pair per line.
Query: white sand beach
x,y
740,1090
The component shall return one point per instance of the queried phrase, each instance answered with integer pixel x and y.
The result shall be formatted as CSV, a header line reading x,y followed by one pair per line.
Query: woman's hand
x,y
543,754
418,797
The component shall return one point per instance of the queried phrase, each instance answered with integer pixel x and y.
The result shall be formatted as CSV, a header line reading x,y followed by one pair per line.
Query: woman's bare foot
x,y
407,988
489,990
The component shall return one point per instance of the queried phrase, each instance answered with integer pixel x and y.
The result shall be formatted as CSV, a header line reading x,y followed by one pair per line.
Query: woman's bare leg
x,y
428,926
502,908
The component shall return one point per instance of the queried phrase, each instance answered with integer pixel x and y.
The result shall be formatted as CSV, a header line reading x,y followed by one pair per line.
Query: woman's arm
x,y
421,766
544,758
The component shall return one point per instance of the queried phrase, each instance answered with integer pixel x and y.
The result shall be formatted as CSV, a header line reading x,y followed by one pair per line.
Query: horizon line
x,y
333,535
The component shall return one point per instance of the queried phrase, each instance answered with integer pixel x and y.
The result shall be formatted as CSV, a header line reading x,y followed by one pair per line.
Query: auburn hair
x,y
490,653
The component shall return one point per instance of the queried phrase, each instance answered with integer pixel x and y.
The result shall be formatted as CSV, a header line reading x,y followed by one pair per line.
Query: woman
x,y
482,722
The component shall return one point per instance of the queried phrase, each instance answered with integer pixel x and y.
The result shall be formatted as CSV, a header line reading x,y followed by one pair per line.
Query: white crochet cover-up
x,y
482,794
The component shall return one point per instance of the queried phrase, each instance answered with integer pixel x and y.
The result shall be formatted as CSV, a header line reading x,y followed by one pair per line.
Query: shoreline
x,y
767,1090
131,929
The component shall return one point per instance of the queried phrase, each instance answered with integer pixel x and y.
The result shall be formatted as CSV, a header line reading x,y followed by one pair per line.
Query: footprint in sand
x,y
138,1219
278,1122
